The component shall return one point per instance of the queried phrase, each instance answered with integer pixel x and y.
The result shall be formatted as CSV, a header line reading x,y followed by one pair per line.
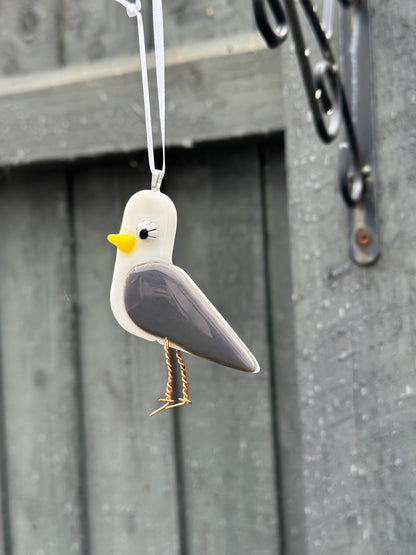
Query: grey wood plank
x,y
28,36
2,527
5,546
282,344
93,30
213,91
130,457
228,464
355,327
39,377
188,21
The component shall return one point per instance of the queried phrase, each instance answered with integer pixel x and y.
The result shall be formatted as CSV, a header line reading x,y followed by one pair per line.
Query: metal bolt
x,y
366,173
363,237
350,177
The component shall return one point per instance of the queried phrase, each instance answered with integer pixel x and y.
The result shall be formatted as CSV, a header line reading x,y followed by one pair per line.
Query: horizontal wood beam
x,y
215,90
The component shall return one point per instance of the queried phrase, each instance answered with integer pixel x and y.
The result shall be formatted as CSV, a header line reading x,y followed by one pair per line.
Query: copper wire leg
x,y
184,399
169,389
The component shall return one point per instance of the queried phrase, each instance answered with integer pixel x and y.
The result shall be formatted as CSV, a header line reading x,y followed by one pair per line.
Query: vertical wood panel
x,y
355,327
29,37
282,345
228,458
5,548
131,474
39,379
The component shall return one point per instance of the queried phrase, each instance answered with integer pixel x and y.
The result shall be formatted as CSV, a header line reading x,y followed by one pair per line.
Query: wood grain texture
x,y
95,29
39,377
5,543
189,21
282,350
355,327
228,453
130,457
214,91
29,36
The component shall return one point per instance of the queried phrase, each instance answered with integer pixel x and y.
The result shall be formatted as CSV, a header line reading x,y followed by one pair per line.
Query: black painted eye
x,y
147,229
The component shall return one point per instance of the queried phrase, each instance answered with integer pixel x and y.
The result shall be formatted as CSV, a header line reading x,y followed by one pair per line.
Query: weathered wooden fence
x,y
313,456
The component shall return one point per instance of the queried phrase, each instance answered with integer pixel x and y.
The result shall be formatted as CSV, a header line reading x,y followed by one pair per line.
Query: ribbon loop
x,y
133,10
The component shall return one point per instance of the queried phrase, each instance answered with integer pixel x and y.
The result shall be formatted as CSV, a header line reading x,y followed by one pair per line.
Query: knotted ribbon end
x,y
133,9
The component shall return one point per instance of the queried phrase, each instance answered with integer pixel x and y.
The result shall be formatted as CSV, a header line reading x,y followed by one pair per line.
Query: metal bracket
x,y
334,100
356,69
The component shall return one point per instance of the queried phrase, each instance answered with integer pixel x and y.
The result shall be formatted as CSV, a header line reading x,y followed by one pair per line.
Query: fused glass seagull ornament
x,y
156,300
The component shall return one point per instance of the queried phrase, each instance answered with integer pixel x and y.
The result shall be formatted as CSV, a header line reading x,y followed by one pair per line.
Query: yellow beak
x,y
123,242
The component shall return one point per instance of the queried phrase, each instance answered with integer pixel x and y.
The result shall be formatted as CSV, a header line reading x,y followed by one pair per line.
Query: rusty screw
x,y
363,237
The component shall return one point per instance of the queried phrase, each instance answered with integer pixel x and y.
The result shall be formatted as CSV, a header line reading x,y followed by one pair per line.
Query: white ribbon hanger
x,y
134,10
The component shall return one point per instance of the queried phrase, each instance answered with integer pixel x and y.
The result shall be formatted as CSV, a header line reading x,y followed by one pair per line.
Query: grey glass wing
x,y
164,301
